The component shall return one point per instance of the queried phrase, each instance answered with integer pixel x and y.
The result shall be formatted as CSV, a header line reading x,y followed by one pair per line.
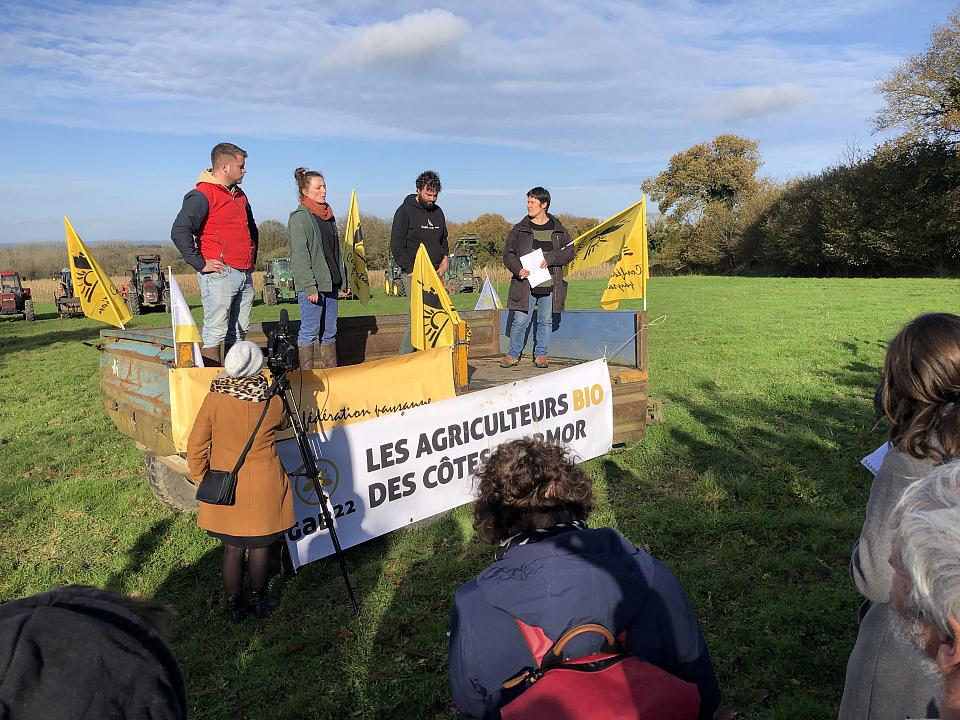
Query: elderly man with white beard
x,y
925,592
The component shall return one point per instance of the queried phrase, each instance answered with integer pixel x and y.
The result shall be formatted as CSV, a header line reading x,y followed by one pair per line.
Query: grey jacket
x,y
883,681
307,262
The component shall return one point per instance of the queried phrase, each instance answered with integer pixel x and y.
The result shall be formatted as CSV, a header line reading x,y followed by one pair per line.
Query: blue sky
x,y
110,109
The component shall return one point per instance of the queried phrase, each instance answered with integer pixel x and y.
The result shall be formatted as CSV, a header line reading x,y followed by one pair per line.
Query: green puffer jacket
x,y
308,264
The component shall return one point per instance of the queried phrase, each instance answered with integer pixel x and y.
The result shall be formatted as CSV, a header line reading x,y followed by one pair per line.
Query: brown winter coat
x,y
520,242
264,503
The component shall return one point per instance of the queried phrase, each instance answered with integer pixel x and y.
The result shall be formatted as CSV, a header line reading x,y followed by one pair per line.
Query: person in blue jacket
x,y
553,572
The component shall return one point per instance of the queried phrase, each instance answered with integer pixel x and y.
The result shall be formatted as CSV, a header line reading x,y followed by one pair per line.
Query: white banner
x,y
387,472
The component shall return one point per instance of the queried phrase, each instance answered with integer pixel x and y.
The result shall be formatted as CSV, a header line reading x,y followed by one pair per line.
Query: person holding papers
x,y
919,393
535,252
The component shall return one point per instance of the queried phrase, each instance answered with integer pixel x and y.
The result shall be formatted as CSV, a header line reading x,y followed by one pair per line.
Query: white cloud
x,y
408,38
620,82
751,103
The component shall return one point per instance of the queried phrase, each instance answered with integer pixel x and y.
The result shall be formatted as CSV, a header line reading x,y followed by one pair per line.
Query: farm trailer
x,y
134,367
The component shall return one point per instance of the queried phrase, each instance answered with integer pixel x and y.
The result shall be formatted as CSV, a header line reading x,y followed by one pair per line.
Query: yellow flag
x,y
605,241
356,255
629,279
432,316
99,298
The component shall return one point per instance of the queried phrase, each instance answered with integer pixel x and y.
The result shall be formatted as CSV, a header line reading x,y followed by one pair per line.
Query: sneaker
x,y
509,361
542,361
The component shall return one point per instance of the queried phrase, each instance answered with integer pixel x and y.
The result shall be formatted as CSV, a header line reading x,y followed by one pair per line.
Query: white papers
x,y
873,461
531,262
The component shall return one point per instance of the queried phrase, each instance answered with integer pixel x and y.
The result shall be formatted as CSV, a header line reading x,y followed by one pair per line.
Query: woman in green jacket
x,y
318,269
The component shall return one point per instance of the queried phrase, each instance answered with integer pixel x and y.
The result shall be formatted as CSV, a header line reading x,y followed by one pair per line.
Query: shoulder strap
x,y
243,455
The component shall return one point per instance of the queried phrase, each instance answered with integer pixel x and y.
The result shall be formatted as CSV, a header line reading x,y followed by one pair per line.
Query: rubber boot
x,y
236,609
305,352
211,356
263,603
328,355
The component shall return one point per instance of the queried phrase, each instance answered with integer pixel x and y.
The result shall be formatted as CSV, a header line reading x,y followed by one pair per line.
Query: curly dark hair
x,y
920,387
528,484
428,179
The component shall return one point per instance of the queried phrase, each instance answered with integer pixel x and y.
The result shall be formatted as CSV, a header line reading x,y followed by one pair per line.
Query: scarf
x,y
252,388
321,210
531,536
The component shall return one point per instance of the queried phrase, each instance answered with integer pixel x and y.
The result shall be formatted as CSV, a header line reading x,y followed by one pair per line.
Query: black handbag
x,y
219,487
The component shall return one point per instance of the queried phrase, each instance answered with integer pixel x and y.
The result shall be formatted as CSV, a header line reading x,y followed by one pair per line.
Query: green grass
x,y
750,490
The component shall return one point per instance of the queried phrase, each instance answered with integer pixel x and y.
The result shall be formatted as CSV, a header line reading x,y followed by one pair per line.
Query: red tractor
x,y
14,297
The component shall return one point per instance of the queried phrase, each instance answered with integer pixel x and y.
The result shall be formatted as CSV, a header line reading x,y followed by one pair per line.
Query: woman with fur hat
x,y
264,507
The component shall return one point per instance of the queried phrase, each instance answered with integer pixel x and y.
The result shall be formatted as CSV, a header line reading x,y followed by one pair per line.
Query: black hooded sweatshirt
x,y
414,226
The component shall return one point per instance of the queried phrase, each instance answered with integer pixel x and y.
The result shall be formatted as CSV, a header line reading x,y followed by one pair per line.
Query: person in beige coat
x,y
918,395
264,505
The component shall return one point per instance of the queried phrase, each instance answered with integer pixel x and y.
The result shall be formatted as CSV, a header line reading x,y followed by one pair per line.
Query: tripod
x,y
281,388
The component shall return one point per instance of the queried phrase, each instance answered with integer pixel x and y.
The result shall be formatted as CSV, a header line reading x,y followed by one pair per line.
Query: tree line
x,y
44,260
894,211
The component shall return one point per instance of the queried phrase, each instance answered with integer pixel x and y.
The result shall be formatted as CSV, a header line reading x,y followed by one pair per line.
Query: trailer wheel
x,y
171,488
28,313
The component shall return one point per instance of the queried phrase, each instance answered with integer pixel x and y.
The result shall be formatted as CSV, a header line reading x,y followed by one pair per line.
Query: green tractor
x,y
461,276
278,283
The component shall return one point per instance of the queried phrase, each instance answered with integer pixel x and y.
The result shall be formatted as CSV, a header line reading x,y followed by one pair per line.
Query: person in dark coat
x,y
419,221
80,652
918,395
538,230
554,573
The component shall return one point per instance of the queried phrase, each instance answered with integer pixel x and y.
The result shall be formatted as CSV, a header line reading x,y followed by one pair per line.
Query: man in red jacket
x,y
217,236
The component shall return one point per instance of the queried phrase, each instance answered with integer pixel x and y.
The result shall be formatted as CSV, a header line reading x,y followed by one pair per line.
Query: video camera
x,y
282,347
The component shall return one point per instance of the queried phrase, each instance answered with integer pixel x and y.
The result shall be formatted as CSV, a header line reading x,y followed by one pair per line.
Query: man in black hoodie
x,y
419,221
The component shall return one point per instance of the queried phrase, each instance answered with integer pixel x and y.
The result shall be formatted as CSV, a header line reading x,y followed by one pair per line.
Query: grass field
x,y
750,490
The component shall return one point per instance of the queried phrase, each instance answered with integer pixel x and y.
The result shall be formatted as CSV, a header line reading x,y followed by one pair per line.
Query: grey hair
x,y
930,550
926,523
938,489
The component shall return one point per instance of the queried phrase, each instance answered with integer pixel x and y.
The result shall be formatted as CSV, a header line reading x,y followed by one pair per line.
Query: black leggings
x,y
258,565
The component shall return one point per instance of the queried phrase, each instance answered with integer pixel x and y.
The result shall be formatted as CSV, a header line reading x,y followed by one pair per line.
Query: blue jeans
x,y
317,319
521,321
227,298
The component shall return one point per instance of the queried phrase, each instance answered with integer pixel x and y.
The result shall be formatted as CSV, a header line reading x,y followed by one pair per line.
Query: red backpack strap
x,y
536,639
539,645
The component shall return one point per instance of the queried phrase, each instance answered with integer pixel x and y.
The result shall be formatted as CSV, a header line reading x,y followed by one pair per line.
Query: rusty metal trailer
x,y
134,367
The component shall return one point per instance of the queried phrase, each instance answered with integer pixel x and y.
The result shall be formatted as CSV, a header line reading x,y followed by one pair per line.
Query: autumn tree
x,y
376,240
492,228
702,195
723,170
922,94
273,240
